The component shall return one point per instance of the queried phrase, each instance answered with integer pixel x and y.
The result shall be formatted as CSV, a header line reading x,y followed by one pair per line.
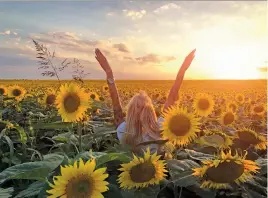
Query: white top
x,y
121,129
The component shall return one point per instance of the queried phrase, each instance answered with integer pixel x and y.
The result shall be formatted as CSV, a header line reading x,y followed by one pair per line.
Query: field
x,y
224,155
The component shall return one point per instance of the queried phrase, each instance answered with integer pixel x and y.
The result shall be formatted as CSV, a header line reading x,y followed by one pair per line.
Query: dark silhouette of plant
x,y
51,70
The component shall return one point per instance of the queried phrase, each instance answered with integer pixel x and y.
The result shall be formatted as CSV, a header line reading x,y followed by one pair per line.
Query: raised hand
x,y
188,60
102,61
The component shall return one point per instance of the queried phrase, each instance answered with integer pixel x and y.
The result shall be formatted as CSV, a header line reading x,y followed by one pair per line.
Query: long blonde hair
x,y
141,120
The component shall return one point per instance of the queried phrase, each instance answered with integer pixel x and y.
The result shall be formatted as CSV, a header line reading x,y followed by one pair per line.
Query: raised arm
x,y
117,108
174,92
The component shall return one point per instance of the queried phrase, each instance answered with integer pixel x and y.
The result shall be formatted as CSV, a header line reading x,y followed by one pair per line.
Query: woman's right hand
x,y
103,61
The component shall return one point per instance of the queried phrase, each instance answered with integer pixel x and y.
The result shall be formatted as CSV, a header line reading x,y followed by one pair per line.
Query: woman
x,y
141,123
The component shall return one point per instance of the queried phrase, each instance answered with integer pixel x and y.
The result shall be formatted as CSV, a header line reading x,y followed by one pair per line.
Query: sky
x,y
140,39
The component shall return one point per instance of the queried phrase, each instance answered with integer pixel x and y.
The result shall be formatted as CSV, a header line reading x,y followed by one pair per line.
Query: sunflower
x,y
225,170
72,102
142,171
105,88
227,118
203,104
216,139
258,109
16,92
94,96
240,98
250,137
49,98
232,106
3,90
79,181
179,126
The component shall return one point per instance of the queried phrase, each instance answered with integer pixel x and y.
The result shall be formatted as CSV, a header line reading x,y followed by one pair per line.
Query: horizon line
x,y
129,79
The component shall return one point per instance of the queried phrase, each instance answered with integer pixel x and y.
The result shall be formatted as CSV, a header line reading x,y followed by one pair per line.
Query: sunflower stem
x,y
80,136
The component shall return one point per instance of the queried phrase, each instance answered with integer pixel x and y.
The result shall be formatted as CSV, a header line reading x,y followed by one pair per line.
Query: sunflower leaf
x,y
152,142
184,179
32,190
198,155
181,165
6,193
55,125
32,170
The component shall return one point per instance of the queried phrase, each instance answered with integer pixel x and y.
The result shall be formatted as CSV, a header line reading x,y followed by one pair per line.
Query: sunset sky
x,y
142,39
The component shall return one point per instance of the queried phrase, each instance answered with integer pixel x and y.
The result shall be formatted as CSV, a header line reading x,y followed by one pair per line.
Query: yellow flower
x,y
72,102
224,170
49,98
231,106
17,92
227,118
258,109
3,90
94,96
179,126
252,138
81,181
240,98
142,171
203,104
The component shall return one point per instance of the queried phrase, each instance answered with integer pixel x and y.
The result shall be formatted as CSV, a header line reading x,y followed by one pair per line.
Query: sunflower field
x,y
58,139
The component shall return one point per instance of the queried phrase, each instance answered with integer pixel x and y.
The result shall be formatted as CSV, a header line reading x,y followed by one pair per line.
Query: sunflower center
x,y
179,125
258,109
240,98
79,187
16,92
71,103
142,172
203,104
228,118
225,172
50,99
2,91
248,137
92,96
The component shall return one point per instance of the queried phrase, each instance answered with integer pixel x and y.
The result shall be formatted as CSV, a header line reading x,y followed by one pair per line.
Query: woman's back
x,y
121,132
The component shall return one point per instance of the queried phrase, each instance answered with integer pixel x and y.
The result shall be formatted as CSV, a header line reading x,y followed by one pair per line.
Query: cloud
x,y
166,8
121,47
7,32
134,14
154,58
110,14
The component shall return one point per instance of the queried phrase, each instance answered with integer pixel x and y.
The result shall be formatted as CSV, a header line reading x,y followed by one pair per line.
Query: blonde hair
x,y
141,120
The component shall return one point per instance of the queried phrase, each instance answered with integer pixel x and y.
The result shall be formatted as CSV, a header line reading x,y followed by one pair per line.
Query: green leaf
x,y
6,193
152,142
22,134
181,165
202,192
32,170
32,190
184,179
11,148
198,155
263,165
54,125
89,155
110,157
